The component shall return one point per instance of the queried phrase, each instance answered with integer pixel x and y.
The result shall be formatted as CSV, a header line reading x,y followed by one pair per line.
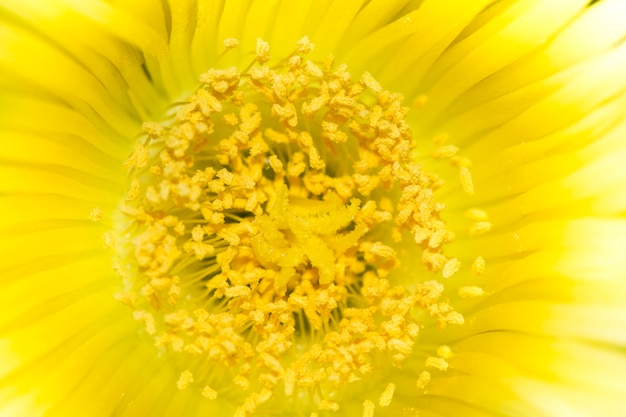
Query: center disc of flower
x,y
264,218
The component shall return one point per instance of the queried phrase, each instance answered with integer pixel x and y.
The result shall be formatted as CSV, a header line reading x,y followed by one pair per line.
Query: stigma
x,y
266,218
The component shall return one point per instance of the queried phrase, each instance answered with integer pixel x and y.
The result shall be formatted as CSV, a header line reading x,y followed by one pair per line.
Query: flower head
x,y
279,208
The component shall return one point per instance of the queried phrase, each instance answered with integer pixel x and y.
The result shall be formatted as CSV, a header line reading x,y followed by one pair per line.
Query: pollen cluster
x,y
264,218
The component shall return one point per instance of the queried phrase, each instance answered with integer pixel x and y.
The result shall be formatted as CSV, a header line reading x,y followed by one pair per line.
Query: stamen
x,y
478,267
185,379
444,352
437,363
387,395
209,393
470,292
423,380
466,180
231,43
368,408
96,214
476,214
262,51
479,228
328,405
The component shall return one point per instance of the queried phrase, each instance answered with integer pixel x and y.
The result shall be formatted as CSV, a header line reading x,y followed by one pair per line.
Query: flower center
x,y
266,221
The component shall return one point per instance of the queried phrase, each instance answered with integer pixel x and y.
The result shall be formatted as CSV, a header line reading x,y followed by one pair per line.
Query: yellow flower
x,y
312,208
